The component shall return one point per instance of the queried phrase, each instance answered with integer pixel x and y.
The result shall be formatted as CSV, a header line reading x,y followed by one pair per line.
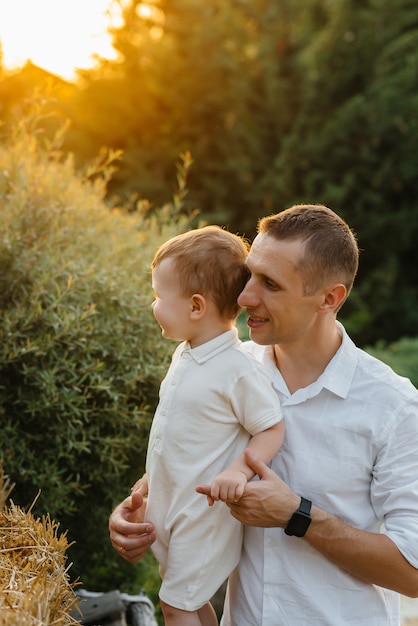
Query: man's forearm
x,y
370,557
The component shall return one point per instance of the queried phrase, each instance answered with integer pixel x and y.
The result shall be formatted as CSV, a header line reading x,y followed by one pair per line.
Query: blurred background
x,y
126,122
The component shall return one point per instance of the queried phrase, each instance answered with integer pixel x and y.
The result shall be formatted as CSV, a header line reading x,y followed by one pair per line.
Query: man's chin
x,y
258,337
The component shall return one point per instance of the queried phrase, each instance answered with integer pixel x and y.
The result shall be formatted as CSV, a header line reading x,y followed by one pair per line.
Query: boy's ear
x,y
198,306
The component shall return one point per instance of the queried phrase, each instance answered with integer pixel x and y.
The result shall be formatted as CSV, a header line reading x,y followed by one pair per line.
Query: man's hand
x,y
141,485
130,536
267,502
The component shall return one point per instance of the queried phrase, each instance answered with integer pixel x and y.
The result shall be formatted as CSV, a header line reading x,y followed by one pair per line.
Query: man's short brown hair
x,y
331,252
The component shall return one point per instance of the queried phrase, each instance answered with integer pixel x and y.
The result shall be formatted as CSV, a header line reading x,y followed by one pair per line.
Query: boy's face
x,y
170,307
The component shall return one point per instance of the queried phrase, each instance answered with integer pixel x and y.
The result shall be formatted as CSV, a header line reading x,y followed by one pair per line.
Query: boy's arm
x,y
229,485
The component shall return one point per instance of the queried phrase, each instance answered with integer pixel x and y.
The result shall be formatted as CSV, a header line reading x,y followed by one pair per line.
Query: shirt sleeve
x,y
253,399
394,489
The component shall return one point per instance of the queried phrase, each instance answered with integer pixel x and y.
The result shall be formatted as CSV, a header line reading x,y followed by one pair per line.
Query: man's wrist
x,y
300,520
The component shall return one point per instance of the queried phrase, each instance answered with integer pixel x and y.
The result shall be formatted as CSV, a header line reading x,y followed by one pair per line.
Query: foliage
x,y
401,356
278,103
210,78
81,356
352,146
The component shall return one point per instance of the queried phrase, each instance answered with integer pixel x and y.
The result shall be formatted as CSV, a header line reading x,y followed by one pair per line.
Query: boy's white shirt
x,y
212,398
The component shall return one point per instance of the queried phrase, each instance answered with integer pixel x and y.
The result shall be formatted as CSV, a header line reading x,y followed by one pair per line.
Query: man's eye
x,y
270,284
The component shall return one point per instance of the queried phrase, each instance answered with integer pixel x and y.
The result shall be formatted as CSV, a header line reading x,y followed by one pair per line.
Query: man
x,y
350,449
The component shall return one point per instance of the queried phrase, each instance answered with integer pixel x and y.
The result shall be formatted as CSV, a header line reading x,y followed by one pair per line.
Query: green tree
x,y
352,146
211,78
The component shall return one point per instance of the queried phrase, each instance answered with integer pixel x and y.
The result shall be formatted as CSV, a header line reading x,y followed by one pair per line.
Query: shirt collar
x,y
336,377
211,348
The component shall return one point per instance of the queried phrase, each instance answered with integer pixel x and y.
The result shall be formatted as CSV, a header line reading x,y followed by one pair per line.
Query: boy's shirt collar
x,y
211,348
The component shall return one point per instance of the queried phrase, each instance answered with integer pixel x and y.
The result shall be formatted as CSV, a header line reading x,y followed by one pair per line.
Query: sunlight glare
x,y
59,36
143,10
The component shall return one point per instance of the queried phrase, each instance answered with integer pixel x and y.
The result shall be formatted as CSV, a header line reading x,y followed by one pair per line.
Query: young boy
x,y
214,401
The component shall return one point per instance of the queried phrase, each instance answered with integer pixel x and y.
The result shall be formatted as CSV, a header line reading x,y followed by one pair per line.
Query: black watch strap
x,y
300,520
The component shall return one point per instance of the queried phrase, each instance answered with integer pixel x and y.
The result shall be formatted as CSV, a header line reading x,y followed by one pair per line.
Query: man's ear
x,y
198,306
333,297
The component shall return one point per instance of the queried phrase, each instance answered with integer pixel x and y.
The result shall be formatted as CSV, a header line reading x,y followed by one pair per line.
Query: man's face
x,y
278,311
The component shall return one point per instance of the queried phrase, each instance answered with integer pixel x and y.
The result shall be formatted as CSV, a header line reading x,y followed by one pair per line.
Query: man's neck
x,y
302,363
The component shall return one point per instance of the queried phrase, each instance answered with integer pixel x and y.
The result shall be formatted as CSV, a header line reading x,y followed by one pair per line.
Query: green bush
x,y
81,356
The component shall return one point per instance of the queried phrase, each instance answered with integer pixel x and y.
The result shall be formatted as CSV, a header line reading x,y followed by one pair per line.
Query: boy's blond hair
x,y
209,261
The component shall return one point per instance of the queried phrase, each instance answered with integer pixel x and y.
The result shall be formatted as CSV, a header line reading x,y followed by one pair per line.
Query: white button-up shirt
x,y
351,446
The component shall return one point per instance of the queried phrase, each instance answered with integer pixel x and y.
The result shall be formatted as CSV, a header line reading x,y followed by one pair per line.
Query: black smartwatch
x,y
300,520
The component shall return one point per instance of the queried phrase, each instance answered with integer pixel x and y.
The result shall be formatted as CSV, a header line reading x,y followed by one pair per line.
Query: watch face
x,y
301,524
300,520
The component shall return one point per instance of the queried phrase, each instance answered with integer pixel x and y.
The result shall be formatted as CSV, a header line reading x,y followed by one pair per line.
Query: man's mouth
x,y
255,322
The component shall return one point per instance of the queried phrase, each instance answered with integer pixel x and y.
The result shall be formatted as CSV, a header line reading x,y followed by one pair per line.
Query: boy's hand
x,y
228,486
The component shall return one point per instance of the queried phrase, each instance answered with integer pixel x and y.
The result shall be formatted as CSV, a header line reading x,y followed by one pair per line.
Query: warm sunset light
x,y
57,35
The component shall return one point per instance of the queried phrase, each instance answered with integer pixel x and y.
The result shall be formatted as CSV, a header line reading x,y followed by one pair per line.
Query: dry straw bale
x,y
35,589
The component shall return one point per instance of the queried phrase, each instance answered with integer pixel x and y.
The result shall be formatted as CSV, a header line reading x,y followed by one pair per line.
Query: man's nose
x,y
247,297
